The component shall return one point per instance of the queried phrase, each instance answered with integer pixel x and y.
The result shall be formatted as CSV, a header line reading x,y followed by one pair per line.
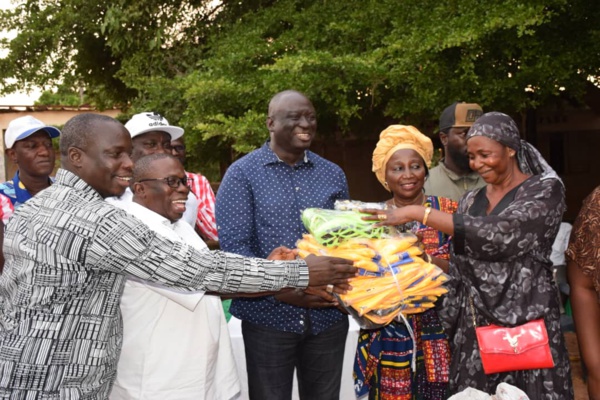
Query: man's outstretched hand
x,y
334,271
301,298
283,253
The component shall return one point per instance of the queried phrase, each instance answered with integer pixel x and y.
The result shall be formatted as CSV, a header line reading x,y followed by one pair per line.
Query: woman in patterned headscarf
x,y
500,256
384,357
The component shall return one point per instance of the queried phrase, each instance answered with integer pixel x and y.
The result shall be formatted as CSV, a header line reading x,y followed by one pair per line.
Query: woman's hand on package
x,y
396,216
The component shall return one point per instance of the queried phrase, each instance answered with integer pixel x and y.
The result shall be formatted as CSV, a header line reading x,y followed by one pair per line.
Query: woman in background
x,y
502,237
583,269
384,356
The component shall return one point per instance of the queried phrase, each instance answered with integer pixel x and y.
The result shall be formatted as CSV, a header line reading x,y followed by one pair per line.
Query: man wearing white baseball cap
x,y
151,134
28,144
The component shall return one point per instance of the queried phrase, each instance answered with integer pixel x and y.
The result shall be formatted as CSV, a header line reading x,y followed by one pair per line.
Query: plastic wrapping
x,y
393,280
333,227
355,205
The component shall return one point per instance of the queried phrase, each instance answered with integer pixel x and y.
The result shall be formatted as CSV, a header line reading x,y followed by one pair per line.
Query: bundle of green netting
x,y
393,279
333,227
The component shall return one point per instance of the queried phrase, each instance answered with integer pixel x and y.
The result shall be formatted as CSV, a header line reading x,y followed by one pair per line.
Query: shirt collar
x,y
147,215
268,156
69,179
21,192
182,230
472,176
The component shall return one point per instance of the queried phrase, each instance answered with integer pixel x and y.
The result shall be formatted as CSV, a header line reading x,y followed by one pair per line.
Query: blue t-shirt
x,y
16,193
258,208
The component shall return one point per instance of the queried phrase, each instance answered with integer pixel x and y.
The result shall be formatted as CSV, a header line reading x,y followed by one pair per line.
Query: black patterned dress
x,y
502,260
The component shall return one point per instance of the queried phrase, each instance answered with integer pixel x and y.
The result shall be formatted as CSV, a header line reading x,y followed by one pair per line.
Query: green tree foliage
x,y
212,67
58,43
364,63
64,96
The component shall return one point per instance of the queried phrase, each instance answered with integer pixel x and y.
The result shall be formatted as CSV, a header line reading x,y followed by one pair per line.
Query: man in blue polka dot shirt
x,y
258,208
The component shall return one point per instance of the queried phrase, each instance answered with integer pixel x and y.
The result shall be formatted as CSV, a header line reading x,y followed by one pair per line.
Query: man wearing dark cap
x,y
453,176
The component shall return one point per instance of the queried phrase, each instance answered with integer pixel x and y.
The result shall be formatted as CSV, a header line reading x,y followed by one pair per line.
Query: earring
x,y
385,184
512,154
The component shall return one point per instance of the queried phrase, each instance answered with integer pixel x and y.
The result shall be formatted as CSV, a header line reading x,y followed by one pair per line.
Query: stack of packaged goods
x,y
393,279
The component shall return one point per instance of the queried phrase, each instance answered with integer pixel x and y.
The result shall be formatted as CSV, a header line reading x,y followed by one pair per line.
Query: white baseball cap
x,y
23,127
151,121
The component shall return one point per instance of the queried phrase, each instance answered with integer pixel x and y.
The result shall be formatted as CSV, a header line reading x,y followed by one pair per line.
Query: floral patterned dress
x,y
382,366
584,246
502,261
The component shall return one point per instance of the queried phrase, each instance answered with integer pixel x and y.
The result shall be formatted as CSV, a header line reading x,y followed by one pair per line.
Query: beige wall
x,y
51,117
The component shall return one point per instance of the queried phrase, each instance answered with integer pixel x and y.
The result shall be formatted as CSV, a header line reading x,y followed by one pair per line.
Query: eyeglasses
x,y
172,181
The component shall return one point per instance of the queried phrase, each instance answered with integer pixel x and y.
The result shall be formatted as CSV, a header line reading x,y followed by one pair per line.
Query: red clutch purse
x,y
511,349
505,349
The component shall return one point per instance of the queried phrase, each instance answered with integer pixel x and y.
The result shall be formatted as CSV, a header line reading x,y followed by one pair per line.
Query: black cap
x,y
460,114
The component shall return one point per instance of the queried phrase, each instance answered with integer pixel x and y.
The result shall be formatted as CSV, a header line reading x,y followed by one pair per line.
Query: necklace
x,y
392,202
412,226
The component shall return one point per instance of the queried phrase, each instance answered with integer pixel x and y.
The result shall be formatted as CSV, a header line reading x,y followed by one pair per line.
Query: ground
x,y
579,385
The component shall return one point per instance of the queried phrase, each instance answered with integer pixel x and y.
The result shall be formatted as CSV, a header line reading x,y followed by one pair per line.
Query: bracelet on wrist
x,y
426,215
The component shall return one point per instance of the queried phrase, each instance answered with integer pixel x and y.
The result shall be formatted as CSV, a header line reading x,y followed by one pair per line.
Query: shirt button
x,y
301,322
297,188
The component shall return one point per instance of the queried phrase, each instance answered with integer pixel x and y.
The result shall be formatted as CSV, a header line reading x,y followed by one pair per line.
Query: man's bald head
x,y
143,167
275,100
160,185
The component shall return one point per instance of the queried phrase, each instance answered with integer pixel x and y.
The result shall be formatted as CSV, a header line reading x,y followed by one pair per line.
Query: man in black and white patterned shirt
x,y
68,253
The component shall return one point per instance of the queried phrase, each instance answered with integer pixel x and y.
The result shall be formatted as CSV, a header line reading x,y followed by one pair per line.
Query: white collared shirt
x,y
191,205
175,344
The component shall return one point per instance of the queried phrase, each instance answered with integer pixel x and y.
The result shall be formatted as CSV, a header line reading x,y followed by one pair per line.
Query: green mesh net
x,y
333,227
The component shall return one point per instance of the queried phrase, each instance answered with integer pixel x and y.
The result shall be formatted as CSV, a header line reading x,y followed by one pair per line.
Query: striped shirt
x,y
205,222
68,253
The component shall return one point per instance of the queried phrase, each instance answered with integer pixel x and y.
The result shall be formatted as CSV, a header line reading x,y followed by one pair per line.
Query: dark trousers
x,y
272,356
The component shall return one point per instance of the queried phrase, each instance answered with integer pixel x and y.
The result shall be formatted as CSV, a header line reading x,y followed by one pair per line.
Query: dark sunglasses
x,y
172,181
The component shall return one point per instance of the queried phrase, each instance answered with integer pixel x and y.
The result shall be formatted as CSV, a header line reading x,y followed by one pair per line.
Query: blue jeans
x,y
272,356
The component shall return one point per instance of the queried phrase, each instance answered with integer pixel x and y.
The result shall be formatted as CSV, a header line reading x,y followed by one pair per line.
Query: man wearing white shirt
x,y
175,345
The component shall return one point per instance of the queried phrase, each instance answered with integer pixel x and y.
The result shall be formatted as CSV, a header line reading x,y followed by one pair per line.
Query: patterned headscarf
x,y
398,137
503,129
